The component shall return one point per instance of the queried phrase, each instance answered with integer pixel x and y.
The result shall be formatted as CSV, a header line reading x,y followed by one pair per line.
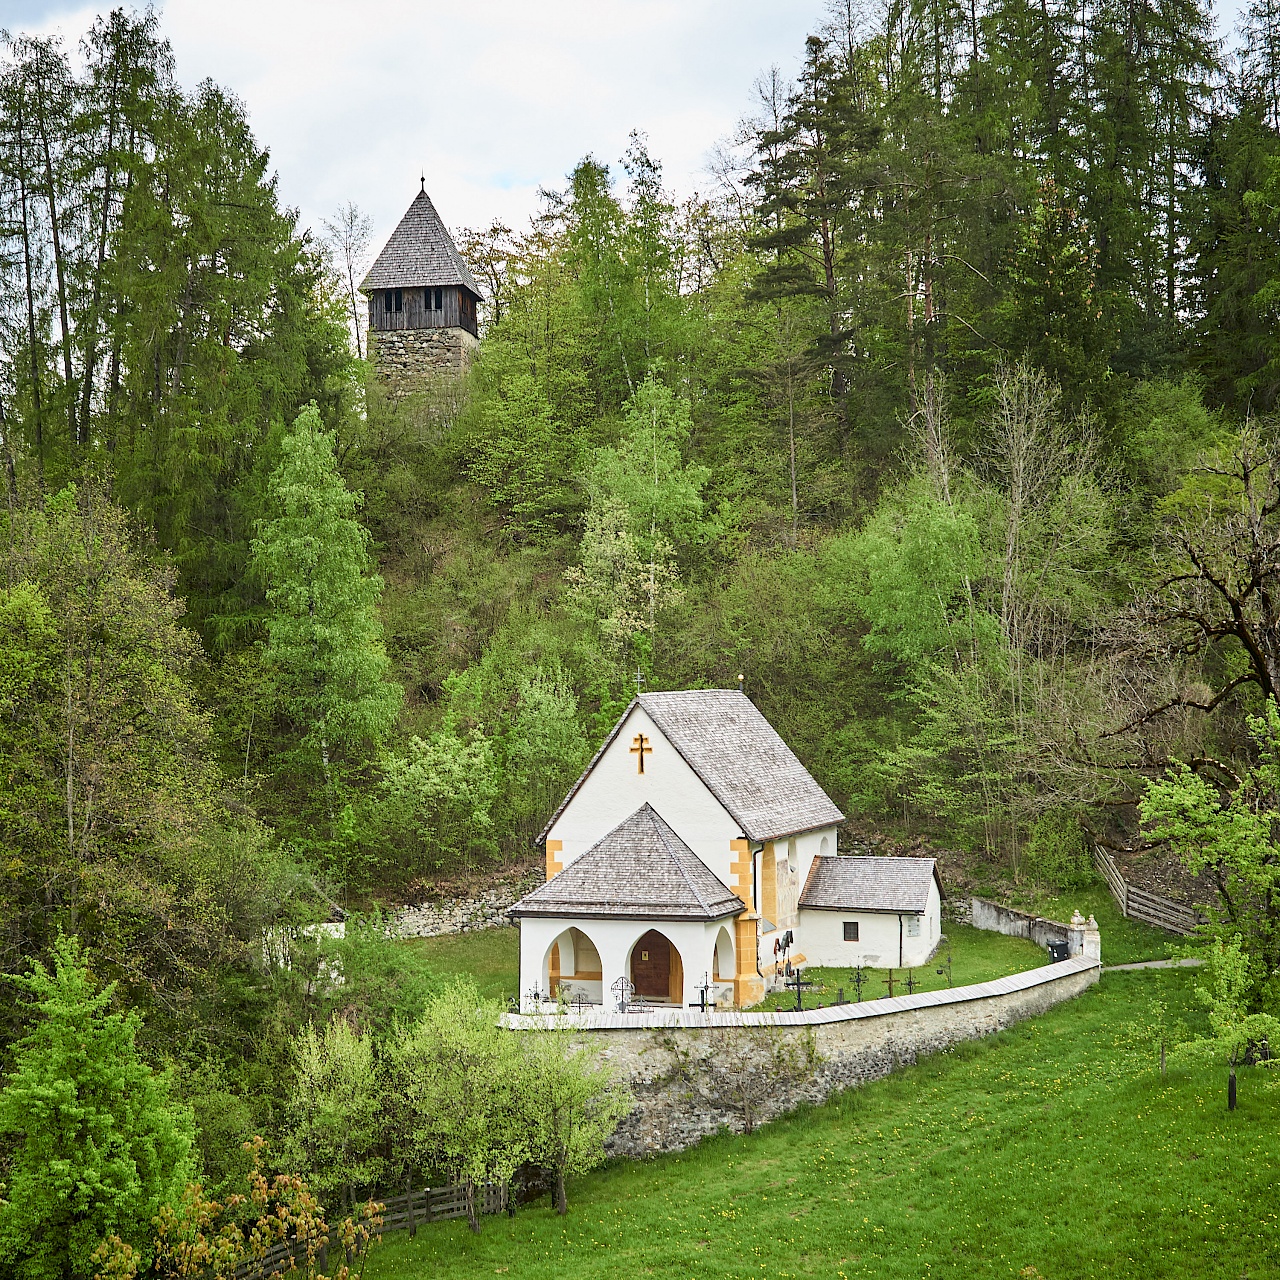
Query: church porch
x,y
662,962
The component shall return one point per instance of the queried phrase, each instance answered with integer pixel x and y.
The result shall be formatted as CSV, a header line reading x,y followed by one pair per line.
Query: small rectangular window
x,y
851,931
388,301
913,926
439,299
399,299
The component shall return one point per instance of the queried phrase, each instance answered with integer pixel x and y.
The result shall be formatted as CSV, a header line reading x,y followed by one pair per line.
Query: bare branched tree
x,y
346,236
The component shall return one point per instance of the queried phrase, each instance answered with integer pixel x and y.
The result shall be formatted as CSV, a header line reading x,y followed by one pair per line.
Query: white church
x,y
694,857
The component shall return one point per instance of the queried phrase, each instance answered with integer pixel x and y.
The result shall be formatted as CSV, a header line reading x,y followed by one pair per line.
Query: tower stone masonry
x,y
423,304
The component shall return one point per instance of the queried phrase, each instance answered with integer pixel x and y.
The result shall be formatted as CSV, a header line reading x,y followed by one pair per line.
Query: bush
x,y
1055,856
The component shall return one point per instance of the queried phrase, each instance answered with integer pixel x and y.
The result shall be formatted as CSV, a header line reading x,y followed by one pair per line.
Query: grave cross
x,y
797,982
946,968
858,979
623,990
889,981
911,982
640,749
701,1001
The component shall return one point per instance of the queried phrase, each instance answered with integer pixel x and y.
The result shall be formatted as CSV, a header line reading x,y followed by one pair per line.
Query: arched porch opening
x,y
572,968
723,968
656,970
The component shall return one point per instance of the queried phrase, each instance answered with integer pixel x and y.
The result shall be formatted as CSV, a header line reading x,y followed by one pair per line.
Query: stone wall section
x,y
406,360
487,910
693,1074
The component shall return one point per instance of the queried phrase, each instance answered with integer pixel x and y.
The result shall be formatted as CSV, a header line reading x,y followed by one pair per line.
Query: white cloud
x,y
490,99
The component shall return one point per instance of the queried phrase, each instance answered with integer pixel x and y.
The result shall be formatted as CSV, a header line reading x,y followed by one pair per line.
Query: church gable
x,y
735,754
640,870
637,765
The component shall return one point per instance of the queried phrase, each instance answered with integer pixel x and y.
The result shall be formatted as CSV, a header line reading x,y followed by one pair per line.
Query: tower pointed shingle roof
x,y
420,252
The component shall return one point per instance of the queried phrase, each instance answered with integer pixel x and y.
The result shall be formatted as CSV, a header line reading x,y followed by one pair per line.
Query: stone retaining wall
x,y
694,1073
462,915
1022,924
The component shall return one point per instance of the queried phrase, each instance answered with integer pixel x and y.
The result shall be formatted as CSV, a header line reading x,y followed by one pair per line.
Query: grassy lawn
x,y
1054,1145
976,956
490,956
1123,941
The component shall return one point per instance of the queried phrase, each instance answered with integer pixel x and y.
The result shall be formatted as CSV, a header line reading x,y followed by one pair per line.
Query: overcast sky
x,y
491,99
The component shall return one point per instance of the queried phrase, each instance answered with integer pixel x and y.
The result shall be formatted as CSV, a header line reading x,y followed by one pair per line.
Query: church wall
x,y
821,938
697,1073
615,789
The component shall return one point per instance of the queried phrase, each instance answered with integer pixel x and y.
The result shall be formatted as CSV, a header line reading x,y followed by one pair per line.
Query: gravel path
x,y
1189,962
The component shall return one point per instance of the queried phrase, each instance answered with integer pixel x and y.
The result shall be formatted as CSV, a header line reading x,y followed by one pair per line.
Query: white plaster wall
x,y
615,790
614,939
809,846
821,938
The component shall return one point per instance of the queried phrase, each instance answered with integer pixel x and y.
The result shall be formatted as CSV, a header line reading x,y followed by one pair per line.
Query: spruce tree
x,y
97,1145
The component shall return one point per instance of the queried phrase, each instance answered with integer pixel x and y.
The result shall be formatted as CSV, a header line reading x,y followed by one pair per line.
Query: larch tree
x,y
324,634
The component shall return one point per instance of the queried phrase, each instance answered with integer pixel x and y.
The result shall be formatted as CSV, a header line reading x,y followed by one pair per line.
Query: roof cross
x,y
640,749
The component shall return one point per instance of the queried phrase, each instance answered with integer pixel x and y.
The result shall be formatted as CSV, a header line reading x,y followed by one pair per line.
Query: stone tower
x,y
422,303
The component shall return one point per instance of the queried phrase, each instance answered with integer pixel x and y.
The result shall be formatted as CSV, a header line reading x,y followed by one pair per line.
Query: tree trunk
x,y
469,1193
32,340
562,1199
1231,1090
60,271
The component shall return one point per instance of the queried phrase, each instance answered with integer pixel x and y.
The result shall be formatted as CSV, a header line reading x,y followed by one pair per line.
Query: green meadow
x,y
1056,1145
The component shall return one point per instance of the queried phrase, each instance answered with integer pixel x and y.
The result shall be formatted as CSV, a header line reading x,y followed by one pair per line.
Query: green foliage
x,y
574,1105
375,980
439,799
919,557
94,1144
1055,855
1232,836
461,1079
324,635
335,1115
1228,991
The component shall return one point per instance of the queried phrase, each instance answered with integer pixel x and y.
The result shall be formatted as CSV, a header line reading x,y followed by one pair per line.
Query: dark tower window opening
x,y
399,299
439,300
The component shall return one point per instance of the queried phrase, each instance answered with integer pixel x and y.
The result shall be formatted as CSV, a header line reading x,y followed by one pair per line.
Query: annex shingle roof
x,y
869,884
640,869
738,755
419,252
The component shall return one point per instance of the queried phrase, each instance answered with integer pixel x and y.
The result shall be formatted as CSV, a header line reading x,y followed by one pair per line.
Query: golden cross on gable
x,y
640,749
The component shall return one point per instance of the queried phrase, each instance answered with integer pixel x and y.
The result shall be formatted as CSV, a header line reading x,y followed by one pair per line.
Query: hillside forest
x,y
945,417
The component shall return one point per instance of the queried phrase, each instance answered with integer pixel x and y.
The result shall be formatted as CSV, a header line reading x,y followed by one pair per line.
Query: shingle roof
x,y
738,755
420,252
641,868
869,884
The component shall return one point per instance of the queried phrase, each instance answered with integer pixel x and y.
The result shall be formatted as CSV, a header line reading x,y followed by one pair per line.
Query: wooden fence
x,y
1139,904
408,1211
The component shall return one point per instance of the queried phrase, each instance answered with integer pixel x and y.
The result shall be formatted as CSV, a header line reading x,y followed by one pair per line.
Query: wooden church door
x,y
651,966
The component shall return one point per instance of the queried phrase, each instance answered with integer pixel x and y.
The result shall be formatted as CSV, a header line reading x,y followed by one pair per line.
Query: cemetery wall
x,y
693,1073
1021,924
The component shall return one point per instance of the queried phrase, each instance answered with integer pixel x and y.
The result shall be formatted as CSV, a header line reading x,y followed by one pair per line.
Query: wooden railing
x,y
408,1211
1140,904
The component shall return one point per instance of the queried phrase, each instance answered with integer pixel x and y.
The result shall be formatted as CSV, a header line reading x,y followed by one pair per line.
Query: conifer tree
x,y
324,634
97,1145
